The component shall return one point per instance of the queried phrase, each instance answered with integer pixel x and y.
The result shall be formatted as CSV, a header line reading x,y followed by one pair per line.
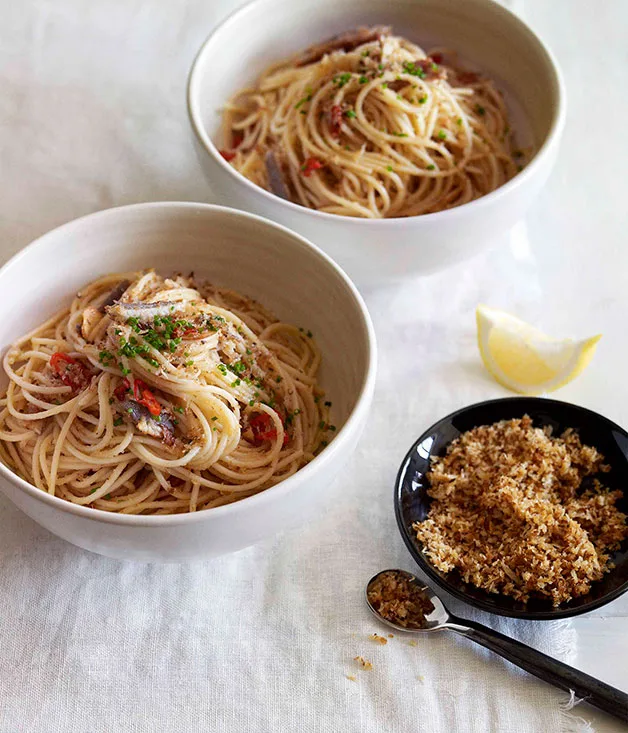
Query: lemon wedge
x,y
526,360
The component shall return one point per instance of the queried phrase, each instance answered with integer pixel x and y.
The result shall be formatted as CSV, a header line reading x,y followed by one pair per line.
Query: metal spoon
x,y
593,691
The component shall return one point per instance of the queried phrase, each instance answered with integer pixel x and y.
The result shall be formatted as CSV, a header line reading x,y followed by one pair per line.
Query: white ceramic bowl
x,y
252,255
372,252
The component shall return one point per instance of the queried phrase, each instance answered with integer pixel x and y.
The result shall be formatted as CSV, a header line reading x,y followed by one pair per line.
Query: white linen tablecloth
x,y
92,115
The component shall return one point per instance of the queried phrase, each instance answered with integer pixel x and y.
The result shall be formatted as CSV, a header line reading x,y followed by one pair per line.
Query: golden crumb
x,y
398,598
520,512
421,678
351,677
391,636
413,642
364,663
378,639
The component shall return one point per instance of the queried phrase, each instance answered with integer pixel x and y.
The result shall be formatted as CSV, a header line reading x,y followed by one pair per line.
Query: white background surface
x,y
92,115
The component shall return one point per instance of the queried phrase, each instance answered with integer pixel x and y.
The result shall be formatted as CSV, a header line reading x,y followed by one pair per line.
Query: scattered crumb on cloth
x,y
378,639
364,663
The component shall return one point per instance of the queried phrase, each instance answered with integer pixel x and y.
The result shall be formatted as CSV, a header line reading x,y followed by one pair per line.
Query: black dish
x,y
412,502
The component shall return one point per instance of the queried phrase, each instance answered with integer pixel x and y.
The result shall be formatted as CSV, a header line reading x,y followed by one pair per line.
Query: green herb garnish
x,y
413,69
342,79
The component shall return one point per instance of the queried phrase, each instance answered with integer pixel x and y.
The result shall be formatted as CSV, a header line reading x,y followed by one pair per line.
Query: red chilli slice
x,y
311,164
264,430
236,141
145,397
72,372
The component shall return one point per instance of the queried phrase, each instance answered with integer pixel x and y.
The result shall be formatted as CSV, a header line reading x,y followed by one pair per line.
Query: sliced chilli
x,y
145,397
141,394
264,429
121,390
70,371
311,164
236,141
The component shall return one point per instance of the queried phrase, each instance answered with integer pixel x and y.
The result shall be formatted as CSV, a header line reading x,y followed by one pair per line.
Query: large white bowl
x,y
247,253
483,32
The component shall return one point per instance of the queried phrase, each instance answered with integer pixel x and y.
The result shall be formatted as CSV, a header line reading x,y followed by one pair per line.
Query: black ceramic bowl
x,y
412,502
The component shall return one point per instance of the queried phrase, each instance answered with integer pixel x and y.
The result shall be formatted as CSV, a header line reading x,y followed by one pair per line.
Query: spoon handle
x,y
592,690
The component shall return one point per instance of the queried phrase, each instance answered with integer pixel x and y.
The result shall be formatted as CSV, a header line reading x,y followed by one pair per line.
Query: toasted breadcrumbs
x,y
351,677
396,597
413,642
378,639
511,512
364,663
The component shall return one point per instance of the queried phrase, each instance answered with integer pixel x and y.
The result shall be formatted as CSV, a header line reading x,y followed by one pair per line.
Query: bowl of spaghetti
x,y
181,389
401,137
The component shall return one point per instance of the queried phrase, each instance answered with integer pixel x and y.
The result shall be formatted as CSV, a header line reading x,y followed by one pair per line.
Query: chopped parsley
x,y
279,379
214,418
321,425
303,101
117,422
413,69
385,85
480,110
178,409
106,357
431,167
366,53
399,134
350,114
442,135
309,334
238,367
342,79
363,80
422,100
389,168
459,121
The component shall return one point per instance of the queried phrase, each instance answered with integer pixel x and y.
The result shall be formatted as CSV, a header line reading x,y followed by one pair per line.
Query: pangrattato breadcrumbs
x,y
510,512
378,639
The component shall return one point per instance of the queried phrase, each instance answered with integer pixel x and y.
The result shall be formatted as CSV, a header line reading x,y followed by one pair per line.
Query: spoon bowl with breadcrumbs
x,y
399,600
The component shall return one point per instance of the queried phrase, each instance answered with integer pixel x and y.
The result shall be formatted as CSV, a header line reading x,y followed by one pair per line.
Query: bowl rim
x,y
194,83
335,447
440,580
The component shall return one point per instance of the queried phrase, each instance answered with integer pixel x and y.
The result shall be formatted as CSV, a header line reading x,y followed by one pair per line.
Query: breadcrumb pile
x,y
512,515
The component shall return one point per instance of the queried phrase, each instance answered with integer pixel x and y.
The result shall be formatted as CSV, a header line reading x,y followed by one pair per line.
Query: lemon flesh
x,y
524,359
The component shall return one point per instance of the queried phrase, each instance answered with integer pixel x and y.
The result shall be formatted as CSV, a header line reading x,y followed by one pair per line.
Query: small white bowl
x,y
376,251
249,254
